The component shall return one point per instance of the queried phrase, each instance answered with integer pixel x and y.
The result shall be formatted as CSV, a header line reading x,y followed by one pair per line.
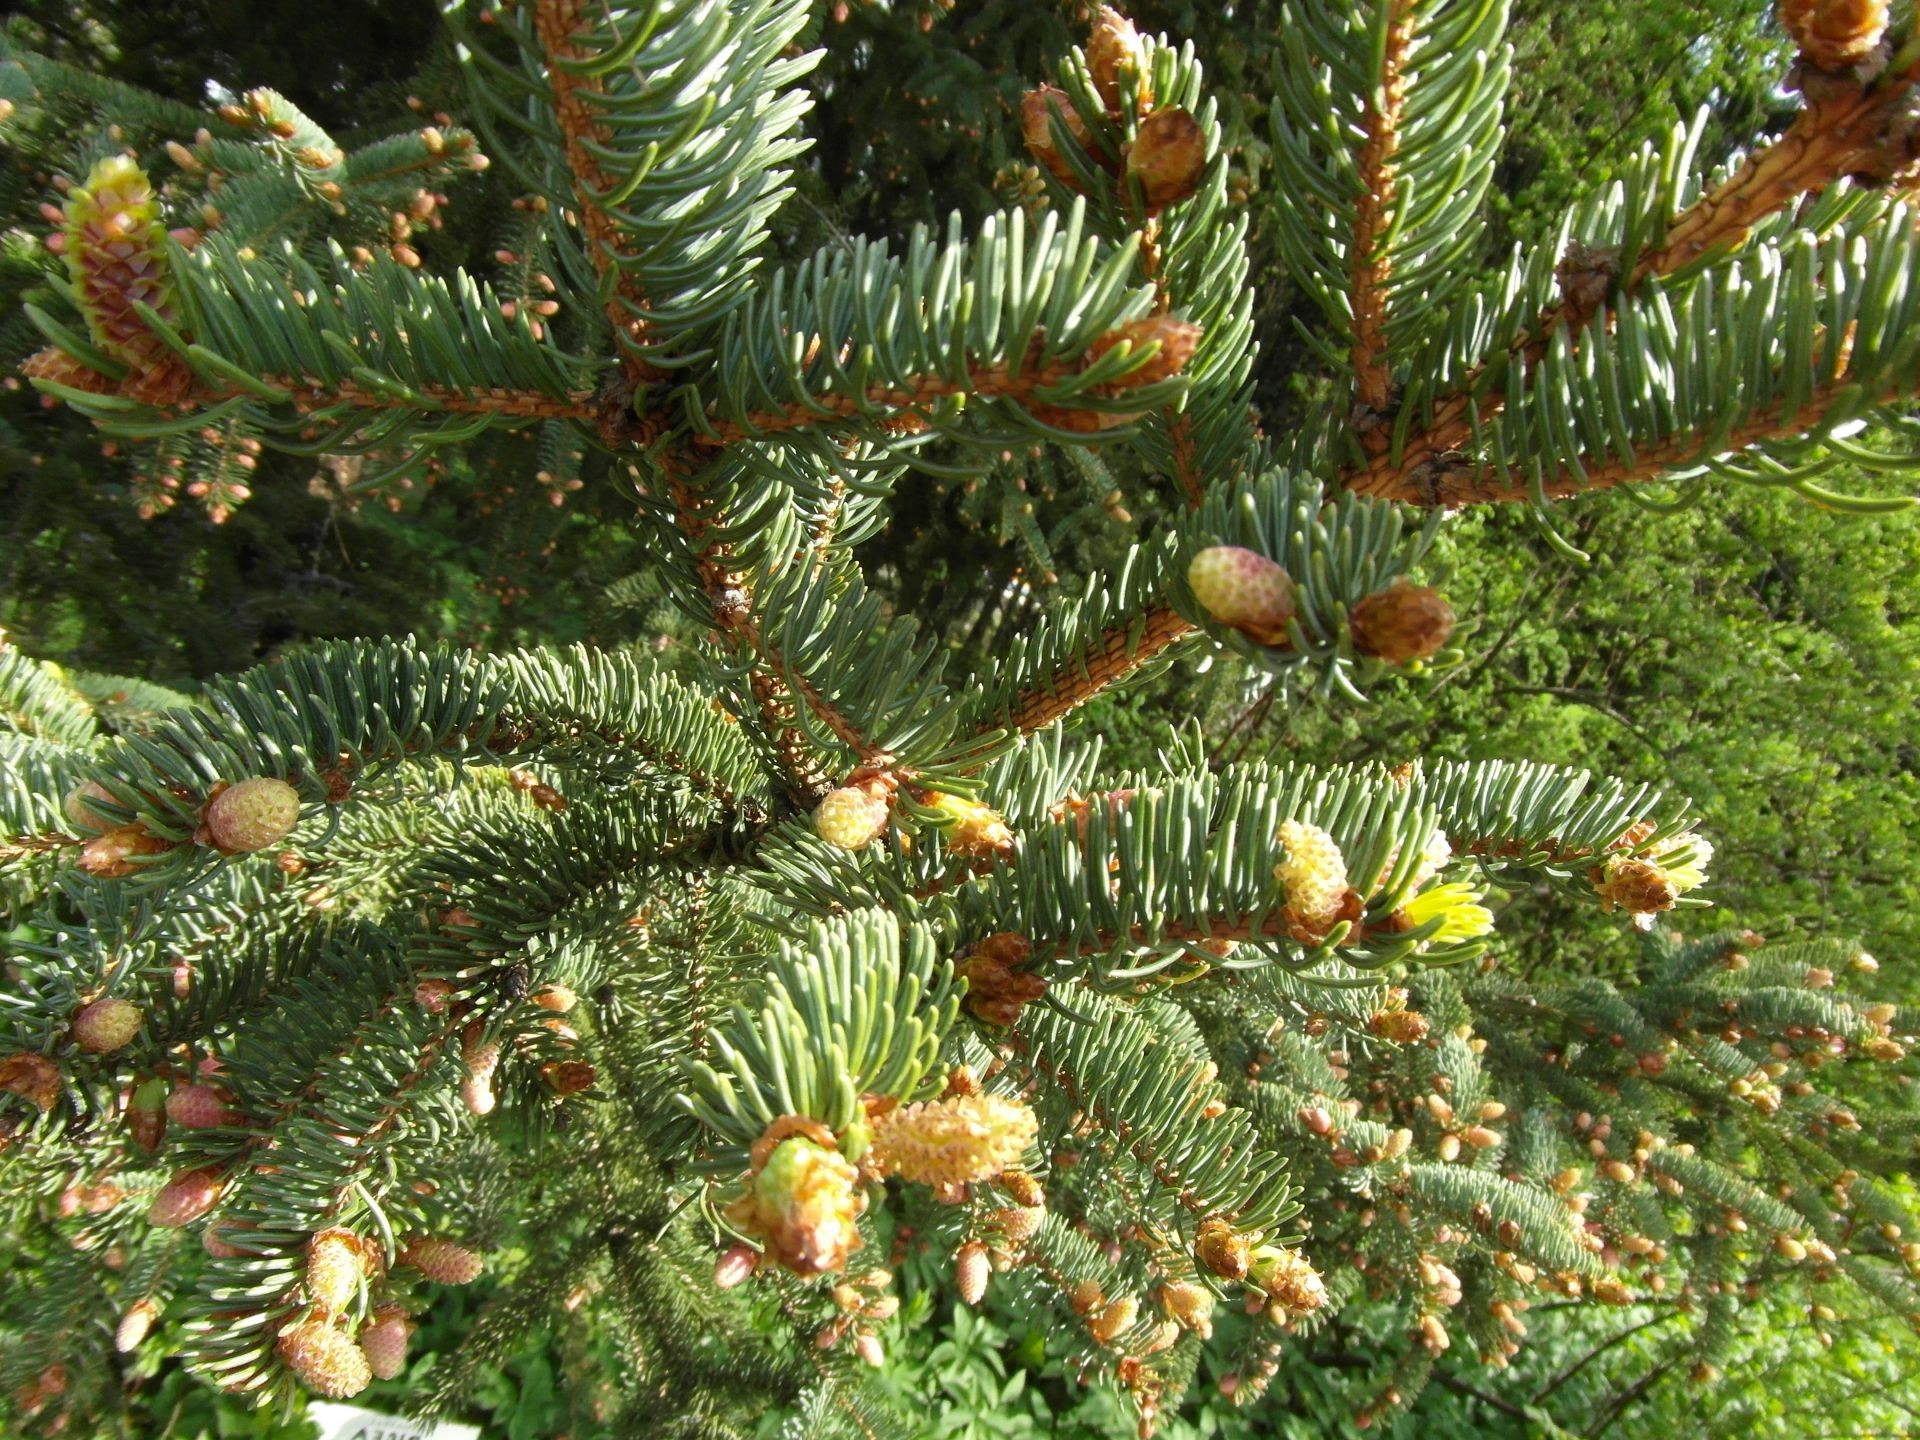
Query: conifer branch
x,y
1838,133
309,394
805,776
728,594
1123,650
266,1134
1371,267
848,733
1186,465
888,404
1180,441
576,99
1461,485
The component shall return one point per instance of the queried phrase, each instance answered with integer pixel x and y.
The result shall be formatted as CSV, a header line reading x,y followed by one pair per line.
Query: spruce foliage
x,y
701,997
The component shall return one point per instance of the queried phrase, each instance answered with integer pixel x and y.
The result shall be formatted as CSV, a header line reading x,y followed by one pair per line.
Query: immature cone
x,y
850,818
1835,34
1177,339
953,1141
1399,1027
1313,876
116,253
1637,885
384,1340
32,1077
1401,623
325,1359
199,1107
482,1057
1224,1251
253,815
185,1198
977,832
735,1266
1168,157
106,1025
997,991
1024,1189
147,1114
1293,1286
335,1265
1189,1306
218,1248
1037,107
970,1271
1114,48
804,1202
442,1261
1113,1318
134,1325
1244,589
567,1077
1018,1224
112,855
81,813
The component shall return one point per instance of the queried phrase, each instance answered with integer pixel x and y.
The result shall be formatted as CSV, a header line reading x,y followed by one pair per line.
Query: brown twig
x,y
1186,465
732,606
310,394
1370,266
1840,132
986,381
576,105
849,734
1459,485
1122,651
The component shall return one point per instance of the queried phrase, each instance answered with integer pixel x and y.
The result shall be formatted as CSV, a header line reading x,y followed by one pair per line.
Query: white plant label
x,y
350,1422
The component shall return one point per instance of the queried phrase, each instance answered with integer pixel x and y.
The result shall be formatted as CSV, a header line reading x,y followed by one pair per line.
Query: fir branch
x,y
36,700
312,394
1463,485
1371,265
867,755
889,403
1840,132
727,592
1121,1075
578,96
1837,134
1120,651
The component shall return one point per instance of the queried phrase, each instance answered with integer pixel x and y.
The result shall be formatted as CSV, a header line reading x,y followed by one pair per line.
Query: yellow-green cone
x,y
116,251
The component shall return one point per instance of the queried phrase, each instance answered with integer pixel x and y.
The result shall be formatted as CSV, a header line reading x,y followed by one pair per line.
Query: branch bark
x,y
576,102
1371,268
1122,651
1457,483
727,593
986,381
1843,130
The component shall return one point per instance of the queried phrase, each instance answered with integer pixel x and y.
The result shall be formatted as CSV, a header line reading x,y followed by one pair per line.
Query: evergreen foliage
x,y
727,997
